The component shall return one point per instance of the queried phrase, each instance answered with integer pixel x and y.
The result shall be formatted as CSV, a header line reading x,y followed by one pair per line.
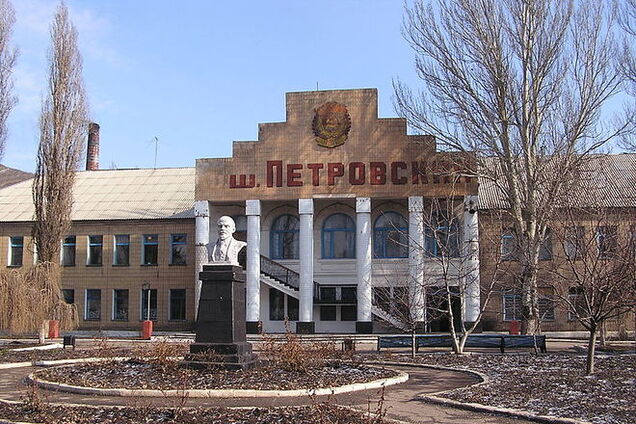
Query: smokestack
x,y
92,150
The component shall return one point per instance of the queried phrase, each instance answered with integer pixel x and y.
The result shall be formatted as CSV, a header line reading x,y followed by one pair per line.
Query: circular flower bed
x,y
170,375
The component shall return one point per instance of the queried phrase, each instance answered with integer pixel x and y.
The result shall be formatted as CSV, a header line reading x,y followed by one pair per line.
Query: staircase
x,y
385,316
288,281
282,278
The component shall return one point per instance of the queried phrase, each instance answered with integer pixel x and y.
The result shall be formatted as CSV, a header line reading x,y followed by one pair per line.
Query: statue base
x,y
220,332
232,356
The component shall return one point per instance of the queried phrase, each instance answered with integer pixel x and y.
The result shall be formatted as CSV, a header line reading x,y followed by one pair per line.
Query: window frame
x,y
67,245
546,252
86,304
172,298
518,310
89,245
327,252
115,304
11,263
145,243
118,245
449,229
606,241
508,248
277,239
574,242
143,302
381,236
182,245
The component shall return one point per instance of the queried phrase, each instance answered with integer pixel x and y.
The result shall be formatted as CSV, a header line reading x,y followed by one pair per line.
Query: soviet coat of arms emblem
x,y
331,124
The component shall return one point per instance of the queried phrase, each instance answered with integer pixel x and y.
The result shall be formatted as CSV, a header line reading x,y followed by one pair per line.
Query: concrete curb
x,y
9,365
44,347
207,393
503,411
52,363
478,407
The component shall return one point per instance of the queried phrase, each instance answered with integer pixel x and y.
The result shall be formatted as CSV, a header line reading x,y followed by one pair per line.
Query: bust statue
x,y
227,248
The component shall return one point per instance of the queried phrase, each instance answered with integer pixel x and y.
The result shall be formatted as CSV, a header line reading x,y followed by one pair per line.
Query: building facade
x,y
352,225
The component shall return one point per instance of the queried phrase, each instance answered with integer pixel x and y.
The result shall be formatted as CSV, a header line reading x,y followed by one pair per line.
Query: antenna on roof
x,y
155,140
156,148
316,85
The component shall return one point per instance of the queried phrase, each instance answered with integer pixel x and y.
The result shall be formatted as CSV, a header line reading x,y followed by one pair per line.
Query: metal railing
x,y
280,273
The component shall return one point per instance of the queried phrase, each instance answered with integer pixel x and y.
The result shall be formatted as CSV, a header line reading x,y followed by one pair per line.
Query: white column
x,y
306,253
470,259
417,291
253,271
363,257
201,240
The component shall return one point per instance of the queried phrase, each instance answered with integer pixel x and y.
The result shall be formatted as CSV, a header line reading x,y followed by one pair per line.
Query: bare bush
x,y
30,297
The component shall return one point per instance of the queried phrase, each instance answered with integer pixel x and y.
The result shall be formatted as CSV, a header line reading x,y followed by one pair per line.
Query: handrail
x,y
280,272
285,276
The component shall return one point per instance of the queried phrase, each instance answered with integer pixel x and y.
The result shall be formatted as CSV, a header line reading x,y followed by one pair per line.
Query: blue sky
x,y
200,74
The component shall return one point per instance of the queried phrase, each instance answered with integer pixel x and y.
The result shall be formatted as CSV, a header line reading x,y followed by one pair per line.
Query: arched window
x,y
442,236
284,238
338,237
390,236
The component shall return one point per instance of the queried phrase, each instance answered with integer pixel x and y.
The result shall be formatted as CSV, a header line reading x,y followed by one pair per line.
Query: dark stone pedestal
x,y
253,327
305,327
364,327
220,330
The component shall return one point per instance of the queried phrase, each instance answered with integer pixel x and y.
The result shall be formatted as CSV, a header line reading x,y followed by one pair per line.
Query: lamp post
x,y
146,328
146,287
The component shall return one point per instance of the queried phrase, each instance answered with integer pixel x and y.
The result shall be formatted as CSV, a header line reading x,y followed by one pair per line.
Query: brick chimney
x,y
92,150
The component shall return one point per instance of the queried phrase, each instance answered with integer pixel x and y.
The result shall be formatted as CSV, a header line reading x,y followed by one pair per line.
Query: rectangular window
x,y
546,308
120,305
178,249
607,241
576,297
328,294
16,250
150,250
348,313
292,308
328,313
508,246
574,244
276,305
177,304
95,244
93,305
68,251
348,294
69,296
121,253
144,305
512,310
545,250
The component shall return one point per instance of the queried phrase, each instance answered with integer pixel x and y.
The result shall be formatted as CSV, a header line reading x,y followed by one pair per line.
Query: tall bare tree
x,y
63,124
8,55
522,83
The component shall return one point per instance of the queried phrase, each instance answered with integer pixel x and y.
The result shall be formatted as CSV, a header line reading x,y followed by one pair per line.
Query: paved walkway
x,y
400,400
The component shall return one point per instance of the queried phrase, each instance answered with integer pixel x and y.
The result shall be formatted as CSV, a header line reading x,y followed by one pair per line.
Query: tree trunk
x,y
413,340
42,332
591,350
